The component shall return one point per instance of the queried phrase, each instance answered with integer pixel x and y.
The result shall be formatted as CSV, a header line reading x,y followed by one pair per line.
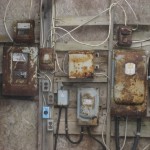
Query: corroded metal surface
x,y
46,59
130,85
81,64
20,71
88,106
130,77
24,31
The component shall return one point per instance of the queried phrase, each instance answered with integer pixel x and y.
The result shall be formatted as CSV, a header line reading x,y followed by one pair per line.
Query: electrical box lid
x,y
81,64
130,77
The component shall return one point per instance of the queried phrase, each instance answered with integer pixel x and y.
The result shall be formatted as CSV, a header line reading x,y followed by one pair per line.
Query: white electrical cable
x,y
125,14
125,136
69,32
58,63
4,19
42,26
104,123
31,3
88,21
112,5
141,40
133,13
146,147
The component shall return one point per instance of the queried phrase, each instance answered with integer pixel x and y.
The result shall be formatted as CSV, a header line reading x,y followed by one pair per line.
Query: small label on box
x,y
23,25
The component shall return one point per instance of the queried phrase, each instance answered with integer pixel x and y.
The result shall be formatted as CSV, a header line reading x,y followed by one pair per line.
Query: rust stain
x,y
20,78
81,64
26,35
46,59
130,89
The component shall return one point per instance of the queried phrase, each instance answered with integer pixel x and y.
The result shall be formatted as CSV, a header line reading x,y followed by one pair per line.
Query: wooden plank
x,y
40,121
109,97
95,79
72,45
78,20
66,21
97,130
73,126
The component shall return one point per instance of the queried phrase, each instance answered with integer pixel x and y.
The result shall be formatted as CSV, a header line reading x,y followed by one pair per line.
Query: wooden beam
x,y
78,20
71,45
67,21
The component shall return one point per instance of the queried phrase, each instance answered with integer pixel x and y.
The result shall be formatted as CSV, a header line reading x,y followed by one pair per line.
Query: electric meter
x,y
88,106
20,71
24,31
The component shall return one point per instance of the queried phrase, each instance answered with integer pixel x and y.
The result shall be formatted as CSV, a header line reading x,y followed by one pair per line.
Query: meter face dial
x,y
20,57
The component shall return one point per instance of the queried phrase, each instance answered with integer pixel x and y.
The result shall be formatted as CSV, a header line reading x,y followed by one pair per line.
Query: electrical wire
x,y
125,14
4,19
58,63
137,137
88,21
31,3
133,13
69,33
57,128
42,24
112,5
141,40
104,123
125,136
147,146
117,140
66,129
89,132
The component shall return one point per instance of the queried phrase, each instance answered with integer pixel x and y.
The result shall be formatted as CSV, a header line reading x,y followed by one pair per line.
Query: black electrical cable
x,y
89,132
66,129
137,137
57,128
117,141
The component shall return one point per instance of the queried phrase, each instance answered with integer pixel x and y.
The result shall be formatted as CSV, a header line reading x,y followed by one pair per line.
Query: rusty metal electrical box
x,y
125,36
20,71
130,82
24,31
88,106
81,64
46,59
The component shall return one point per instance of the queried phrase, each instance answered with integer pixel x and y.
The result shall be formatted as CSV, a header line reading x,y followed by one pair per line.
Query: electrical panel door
x,y
130,80
20,71
81,64
88,106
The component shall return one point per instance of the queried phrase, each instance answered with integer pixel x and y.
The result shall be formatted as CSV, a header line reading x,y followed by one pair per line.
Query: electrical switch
x,y
50,125
46,112
45,85
62,98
